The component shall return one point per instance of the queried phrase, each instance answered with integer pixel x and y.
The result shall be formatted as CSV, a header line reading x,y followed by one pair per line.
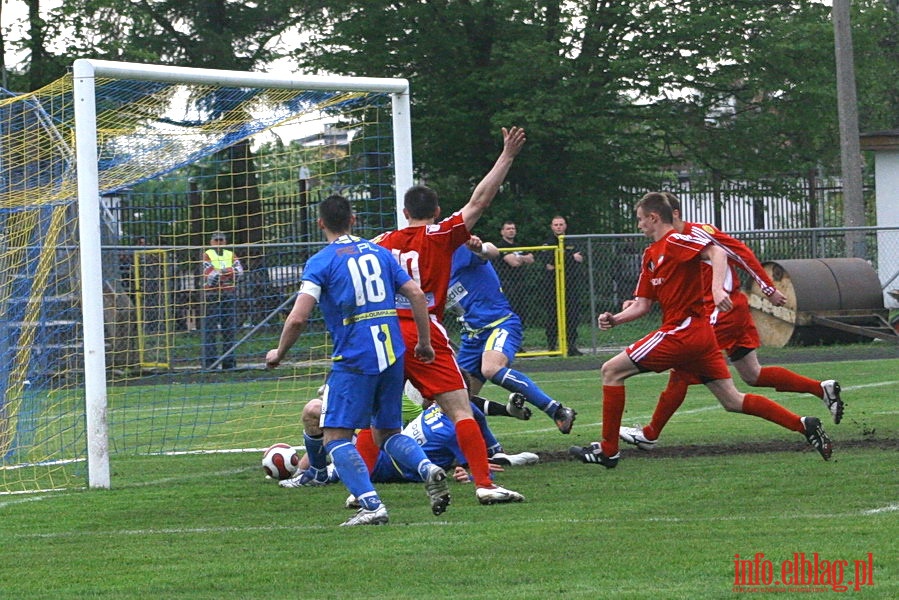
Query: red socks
x,y
365,444
669,401
784,380
472,444
759,406
612,411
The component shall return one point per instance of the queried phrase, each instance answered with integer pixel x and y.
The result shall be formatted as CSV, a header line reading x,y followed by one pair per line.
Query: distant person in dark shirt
x,y
508,267
574,260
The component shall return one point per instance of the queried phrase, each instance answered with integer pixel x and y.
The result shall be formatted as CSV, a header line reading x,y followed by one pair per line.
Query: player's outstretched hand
x,y
271,359
513,140
475,244
777,298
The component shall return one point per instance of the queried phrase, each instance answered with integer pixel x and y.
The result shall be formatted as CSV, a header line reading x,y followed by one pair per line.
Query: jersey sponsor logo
x,y
455,294
375,314
403,302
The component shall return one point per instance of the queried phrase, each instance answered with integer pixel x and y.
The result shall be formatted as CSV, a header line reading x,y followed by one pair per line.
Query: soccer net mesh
x,y
176,162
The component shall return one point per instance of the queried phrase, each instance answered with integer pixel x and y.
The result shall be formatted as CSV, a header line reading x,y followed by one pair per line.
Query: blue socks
x,y
407,453
493,445
315,450
516,381
353,472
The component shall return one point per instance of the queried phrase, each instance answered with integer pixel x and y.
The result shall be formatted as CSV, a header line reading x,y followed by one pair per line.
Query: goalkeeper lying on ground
x,y
433,431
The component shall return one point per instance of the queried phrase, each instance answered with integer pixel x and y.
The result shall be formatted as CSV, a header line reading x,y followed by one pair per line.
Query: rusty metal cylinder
x,y
830,287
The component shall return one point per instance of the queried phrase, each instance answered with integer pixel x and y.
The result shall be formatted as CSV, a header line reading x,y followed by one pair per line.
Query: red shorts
x,y
442,375
734,328
690,348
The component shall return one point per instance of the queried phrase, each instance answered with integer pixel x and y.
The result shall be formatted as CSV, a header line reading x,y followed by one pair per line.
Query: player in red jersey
x,y
737,337
671,275
425,249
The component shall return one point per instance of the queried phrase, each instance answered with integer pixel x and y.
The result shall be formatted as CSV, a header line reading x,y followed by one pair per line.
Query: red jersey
x,y
672,276
426,253
738,255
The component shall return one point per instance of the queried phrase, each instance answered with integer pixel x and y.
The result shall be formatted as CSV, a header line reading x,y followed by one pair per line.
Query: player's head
x,y
421,203
673,202
656,203
335,214
218,238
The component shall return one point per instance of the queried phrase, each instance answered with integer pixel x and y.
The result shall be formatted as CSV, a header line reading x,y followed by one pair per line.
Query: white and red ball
x,y
279,461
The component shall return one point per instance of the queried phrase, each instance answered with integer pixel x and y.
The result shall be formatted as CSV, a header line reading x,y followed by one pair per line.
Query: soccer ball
x,y
280,461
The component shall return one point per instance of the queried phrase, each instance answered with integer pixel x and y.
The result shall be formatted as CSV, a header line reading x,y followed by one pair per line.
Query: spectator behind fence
x,y
221,270
508,267
574,260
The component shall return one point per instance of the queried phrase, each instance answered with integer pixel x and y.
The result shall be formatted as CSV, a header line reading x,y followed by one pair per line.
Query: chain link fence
x,y
167,306
608,274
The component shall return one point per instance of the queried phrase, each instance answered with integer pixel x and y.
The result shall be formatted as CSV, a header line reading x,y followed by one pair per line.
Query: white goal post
x,y
85,72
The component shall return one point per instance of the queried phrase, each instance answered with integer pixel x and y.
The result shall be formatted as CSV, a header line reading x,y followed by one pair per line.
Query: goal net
x,y
114,181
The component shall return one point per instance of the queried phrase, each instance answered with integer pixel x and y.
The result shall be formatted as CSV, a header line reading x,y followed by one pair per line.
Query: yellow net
x,y
178,165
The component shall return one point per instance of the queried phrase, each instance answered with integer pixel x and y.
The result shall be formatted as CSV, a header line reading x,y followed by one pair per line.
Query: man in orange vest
x,y
221,269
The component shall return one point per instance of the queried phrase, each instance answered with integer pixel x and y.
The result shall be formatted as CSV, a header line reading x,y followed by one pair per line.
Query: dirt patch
x,y
763,447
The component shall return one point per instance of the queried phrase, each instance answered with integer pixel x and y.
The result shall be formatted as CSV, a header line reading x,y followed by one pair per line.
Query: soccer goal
x,y
112,181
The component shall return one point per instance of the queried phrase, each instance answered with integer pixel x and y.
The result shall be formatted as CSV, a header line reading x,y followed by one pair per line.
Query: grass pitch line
x,y
873,512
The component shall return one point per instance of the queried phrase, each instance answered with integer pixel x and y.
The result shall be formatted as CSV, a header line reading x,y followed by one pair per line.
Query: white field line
x,y
873,512
594,377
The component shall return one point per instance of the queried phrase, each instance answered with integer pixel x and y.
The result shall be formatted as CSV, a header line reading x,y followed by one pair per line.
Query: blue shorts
x,y
357,401
505,337
386,471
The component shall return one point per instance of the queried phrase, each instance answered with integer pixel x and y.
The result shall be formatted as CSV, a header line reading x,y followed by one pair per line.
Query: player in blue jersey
x,y
354,282
492,332
430,427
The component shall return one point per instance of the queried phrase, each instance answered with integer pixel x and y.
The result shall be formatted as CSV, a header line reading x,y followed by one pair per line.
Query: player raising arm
x,y
424,249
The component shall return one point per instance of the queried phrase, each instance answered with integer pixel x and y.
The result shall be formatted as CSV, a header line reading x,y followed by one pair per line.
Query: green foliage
x,y
609,93
210,527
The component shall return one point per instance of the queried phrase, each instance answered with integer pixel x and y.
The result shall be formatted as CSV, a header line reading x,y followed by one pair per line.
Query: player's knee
x,y
611,375
732,404
750,380
312,413
489,371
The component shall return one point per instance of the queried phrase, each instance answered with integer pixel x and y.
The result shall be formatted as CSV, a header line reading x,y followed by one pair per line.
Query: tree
x,y
609,92
39,65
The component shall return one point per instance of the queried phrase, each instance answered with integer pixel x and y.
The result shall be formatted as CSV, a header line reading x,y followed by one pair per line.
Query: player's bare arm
x,y
423,350
633,310
485,250
718,257
513,140
294,325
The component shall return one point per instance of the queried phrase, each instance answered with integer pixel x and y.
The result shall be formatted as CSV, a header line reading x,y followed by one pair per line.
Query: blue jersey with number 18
x,y
355,281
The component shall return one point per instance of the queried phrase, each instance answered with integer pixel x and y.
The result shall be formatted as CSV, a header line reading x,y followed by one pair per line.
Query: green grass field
x,y
664,524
